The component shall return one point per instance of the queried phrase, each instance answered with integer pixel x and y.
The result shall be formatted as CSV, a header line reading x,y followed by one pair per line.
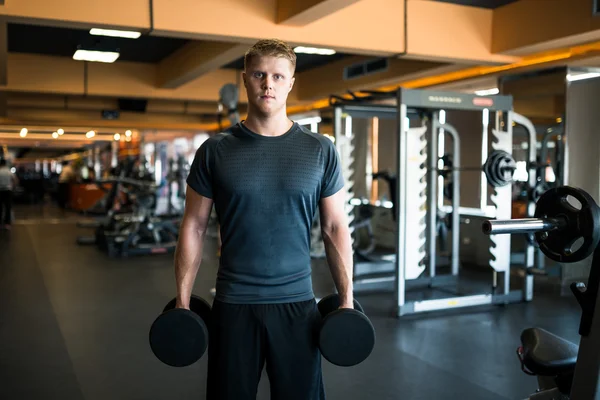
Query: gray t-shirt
x,y
266,191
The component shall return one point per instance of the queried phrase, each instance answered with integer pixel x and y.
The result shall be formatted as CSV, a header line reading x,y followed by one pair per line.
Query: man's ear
x,y
292,83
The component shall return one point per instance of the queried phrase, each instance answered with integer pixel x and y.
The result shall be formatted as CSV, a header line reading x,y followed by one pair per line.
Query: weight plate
x,y
581,224
499,168
504,168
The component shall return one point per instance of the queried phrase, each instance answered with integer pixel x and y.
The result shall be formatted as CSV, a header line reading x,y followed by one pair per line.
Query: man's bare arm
x,y
338,245
190,244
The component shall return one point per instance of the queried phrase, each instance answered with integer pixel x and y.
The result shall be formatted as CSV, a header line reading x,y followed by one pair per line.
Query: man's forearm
x,y
188,256
338,248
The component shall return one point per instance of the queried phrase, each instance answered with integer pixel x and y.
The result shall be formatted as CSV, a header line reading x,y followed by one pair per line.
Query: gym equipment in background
x,y
566,225
413,262
228,97
140,231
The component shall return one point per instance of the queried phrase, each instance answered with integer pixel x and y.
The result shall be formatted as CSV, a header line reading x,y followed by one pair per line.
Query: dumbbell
x,y
179,337
346,336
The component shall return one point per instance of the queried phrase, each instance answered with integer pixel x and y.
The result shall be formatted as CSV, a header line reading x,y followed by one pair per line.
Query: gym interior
x,y
466,134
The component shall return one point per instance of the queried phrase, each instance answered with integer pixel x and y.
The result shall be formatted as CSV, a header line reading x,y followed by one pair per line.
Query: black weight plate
x,y
580,223
499,168
488,169
178,337
332,302
346,338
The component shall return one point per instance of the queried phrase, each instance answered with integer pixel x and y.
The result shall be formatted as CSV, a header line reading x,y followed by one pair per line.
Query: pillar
x,y
582,155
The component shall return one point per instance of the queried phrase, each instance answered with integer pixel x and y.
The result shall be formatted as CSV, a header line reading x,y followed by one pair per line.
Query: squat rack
x,y
410,103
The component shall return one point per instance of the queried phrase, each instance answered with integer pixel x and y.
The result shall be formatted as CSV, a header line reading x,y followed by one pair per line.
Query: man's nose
x,y
268,82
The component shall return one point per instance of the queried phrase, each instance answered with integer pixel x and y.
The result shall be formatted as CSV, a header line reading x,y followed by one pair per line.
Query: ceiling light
x,y
128,139
96,56
581,76
90,134
314,50
128,133
117,136
309,120
23,132
487,92
55,135
115,33
61,132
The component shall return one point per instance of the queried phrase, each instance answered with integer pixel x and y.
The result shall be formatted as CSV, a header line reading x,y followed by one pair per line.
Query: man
x,y
265,176
67,176
8,182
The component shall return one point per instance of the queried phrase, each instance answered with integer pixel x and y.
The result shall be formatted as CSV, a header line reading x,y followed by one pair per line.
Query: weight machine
x,y
567,228
139,231
416,194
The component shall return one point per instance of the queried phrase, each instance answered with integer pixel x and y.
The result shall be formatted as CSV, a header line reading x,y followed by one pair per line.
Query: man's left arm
x,y
338,245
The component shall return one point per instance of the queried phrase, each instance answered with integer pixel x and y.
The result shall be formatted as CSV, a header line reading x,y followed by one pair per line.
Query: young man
x,y
266,176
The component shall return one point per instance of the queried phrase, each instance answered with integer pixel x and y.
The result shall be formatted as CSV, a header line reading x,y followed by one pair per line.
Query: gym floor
x,y
75,326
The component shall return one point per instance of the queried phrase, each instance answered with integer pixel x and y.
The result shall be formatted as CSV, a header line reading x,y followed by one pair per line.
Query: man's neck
x,y
272,125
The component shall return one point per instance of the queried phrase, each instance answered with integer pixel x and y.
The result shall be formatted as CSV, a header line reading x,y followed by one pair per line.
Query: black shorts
x,y
243,337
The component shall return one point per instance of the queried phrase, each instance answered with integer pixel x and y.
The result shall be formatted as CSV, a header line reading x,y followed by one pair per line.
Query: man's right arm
x,y
190,244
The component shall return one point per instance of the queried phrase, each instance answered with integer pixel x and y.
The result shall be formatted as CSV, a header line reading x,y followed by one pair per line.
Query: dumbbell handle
x,y
523,225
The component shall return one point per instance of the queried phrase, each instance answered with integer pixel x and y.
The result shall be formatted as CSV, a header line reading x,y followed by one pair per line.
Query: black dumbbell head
x,y
179,337
346,338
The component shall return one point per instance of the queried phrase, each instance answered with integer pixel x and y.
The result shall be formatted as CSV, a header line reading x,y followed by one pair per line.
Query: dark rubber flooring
x,y
74,325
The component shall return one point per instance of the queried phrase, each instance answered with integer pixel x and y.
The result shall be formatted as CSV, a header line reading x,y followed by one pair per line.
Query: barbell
x,y
566,224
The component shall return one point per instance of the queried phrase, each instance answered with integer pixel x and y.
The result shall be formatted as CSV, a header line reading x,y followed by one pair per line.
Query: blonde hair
x,y
273,48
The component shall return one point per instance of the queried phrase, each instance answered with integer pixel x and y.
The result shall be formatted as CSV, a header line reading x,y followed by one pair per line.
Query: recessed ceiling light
x,y
117,136
23,132
314,50
61,132
55,135
115,33
96,56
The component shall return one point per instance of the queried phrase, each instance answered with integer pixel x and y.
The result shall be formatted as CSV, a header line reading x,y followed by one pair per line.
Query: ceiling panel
x,y
63,42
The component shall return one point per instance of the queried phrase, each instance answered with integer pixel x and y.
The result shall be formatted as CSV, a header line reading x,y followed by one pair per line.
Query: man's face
x,y
268,80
